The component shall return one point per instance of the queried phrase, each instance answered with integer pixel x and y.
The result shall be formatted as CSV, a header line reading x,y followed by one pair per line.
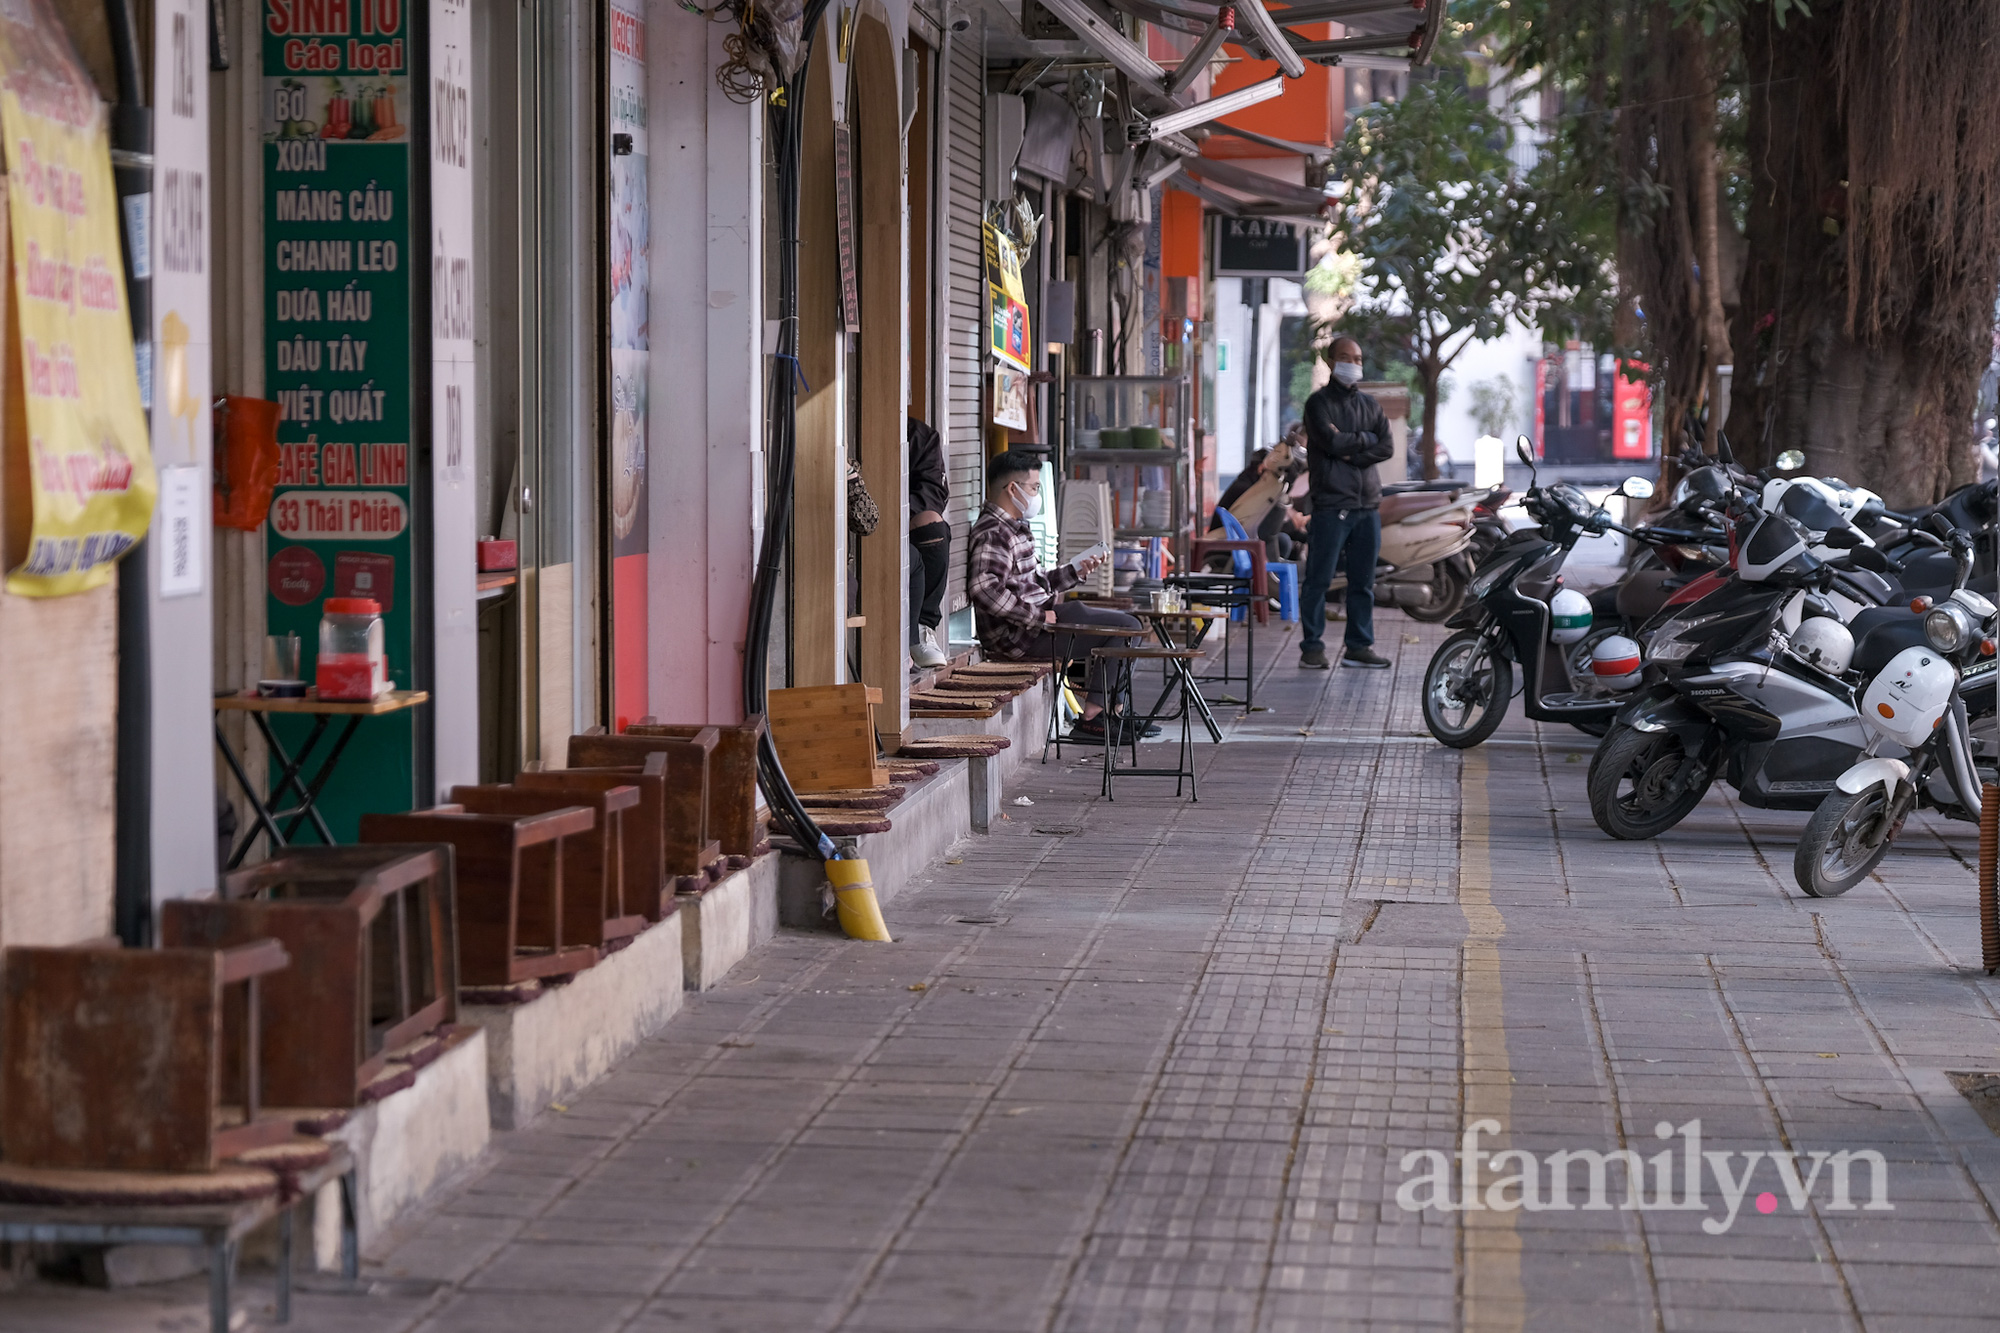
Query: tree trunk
x,y
1708,249
1887,412
1429,372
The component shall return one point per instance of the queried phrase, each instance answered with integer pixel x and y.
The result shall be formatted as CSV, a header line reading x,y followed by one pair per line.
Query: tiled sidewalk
x,y
1156,1065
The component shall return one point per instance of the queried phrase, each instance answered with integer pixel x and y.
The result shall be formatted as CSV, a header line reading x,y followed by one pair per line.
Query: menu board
x,y
337,294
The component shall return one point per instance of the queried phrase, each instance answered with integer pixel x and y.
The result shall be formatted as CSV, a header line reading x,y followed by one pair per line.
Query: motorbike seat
x,y
1641,596
1880,632
1395,507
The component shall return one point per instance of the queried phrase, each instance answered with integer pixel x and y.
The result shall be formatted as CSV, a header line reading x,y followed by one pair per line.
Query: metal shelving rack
x,y
1100,403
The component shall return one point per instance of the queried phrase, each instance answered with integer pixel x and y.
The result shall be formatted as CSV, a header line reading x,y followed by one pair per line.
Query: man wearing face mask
x,y
1015,599
1346,436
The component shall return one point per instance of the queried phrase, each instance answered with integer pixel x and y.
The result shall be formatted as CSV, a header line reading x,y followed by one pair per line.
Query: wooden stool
x,y
373,963
508,877
595,908
115,1059
732,778
648,886
1121,660
687,844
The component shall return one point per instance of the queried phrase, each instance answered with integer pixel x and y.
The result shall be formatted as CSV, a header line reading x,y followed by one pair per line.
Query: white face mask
x,y
1347,372
1029,504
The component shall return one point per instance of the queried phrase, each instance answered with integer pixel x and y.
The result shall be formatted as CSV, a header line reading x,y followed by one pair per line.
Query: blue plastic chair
x,y
1285,573
1239,561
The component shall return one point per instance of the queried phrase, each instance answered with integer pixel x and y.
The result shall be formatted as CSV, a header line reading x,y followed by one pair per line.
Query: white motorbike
x,y
1911,707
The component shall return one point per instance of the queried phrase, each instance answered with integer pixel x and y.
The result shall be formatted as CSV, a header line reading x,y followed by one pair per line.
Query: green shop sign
x,y
338,260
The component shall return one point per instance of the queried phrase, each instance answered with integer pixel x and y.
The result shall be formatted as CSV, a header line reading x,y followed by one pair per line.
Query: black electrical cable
x,y
787,127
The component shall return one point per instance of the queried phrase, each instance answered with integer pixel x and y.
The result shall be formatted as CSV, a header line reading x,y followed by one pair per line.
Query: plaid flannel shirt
x,y
1007,586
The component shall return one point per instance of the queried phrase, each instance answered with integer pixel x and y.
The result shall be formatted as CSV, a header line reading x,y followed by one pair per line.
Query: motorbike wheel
x,y
1844,841
1447,586
1466,690
1635,792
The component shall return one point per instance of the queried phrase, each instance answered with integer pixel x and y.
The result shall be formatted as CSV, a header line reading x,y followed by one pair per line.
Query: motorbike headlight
x,y
1669,643
1948,628
1482,582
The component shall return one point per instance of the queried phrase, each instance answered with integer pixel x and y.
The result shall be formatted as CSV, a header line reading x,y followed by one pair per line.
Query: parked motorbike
x,y
1744,679
1521,615
1423,567
1913,702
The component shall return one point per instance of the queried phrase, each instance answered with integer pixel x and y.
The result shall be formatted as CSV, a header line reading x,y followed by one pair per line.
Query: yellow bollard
x,y
854,900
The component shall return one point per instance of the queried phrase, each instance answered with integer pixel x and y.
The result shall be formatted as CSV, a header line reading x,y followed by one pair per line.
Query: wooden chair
x,y
690,847
115,1059
369,931
508,878
595,909
732,778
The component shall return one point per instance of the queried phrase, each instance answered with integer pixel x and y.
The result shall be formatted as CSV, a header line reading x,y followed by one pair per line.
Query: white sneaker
x,y
925,652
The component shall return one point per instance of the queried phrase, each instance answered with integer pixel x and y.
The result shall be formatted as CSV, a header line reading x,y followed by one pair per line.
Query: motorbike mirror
x,y
1722,449
1791,460
1524,451
1843,539
1637,488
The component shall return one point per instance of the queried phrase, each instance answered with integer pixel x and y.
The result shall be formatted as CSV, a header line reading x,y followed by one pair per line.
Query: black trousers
x,y
930,559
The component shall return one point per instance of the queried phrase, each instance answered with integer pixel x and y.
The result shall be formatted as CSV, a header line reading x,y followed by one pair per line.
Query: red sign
x,y
296,576
1631,413
366,574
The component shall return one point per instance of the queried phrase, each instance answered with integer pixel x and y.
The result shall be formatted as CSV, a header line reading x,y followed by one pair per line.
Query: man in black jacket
x,y
1346,436
930,541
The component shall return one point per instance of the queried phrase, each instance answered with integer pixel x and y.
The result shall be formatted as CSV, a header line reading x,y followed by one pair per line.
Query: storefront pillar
x,y
180,552
884,366
707,372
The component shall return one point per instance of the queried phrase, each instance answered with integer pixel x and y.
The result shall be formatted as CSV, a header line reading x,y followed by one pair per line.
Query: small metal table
x,y
290,769
1193,626
1183,769
1080,648
218,1228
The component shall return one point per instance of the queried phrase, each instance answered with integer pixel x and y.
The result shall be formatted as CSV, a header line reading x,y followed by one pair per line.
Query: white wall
x,y
1511,357
1233,386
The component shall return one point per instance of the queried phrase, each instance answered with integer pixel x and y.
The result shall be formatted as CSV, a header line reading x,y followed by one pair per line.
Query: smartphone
x,y
1076,561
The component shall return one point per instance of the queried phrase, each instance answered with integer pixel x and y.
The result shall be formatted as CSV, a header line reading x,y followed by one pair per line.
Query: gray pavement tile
x,y
1173,1090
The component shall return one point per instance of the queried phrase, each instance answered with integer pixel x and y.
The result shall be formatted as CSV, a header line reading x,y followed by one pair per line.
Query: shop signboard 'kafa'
x,y
338,255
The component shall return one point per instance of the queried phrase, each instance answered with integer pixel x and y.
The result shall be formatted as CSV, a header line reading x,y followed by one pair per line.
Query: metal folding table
x,y
290,769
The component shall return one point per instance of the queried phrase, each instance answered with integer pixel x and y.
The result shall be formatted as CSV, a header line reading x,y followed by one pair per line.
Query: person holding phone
x,y
1016,603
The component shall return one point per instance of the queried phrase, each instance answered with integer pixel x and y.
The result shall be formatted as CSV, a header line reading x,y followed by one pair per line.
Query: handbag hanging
x,y
863,514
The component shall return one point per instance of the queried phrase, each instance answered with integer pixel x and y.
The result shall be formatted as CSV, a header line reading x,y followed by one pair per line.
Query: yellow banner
x,y
89,468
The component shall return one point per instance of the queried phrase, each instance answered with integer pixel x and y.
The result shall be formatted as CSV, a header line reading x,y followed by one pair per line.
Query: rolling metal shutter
x,y
961,155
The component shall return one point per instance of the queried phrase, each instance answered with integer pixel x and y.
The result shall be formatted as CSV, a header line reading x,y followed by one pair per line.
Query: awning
x,y
1246,193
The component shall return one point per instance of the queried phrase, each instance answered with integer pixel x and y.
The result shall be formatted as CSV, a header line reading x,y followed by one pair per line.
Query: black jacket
x,y
929,488
1340,461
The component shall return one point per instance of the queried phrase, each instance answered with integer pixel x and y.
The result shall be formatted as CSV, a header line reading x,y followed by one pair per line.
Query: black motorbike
x,y
1724,695
1506,623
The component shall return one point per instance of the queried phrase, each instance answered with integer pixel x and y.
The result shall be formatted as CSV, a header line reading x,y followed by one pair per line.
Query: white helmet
x,y
1825,643
1615,661
1569,616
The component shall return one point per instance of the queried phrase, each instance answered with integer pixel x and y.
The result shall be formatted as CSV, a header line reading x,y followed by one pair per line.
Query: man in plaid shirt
x,y
1016,600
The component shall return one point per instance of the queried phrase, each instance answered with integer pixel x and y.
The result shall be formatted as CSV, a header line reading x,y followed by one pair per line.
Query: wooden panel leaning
x,y
825,736
648,888
596,908
732,778
690,847
508,888
373,967
115,1060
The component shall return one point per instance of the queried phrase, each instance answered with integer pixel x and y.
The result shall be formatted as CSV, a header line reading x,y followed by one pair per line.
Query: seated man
x,y
1016,600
